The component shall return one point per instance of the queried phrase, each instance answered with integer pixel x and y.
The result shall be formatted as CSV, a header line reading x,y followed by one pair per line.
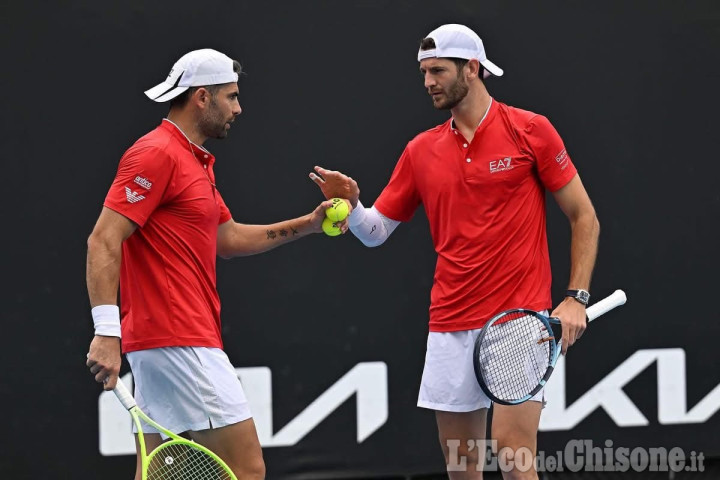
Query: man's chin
x,y
440,105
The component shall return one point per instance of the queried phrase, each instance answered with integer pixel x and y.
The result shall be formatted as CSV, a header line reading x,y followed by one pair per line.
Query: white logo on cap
x,y
133,197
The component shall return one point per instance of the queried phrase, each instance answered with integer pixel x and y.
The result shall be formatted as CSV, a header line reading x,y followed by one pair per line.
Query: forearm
x,y
245,240
370,226
583,250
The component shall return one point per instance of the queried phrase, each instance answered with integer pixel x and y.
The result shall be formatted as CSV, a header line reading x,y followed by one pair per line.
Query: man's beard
x,y
454,95
212,124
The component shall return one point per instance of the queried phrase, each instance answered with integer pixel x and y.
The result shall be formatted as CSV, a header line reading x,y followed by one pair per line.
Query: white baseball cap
x,y
195,69
458,41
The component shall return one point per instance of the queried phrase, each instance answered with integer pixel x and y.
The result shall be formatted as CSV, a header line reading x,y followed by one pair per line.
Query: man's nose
x,y
429,80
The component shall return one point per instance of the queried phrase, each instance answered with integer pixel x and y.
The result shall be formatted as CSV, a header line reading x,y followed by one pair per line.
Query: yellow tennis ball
x,y
339,210
330,228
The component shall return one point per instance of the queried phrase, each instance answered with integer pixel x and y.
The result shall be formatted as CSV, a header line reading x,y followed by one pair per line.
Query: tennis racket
x,y
516,351
177,458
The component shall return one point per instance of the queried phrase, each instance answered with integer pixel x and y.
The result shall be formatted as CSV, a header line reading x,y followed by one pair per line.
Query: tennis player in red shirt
x,y
161,228
481,177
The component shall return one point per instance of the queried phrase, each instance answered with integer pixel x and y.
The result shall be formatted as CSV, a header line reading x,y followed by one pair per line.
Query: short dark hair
x,y
429,43
183,98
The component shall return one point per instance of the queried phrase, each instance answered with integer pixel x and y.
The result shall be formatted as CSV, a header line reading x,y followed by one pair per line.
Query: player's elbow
x,y
586,219
369,240
231,249
224,252
99,241
376,242
593,222
590,224
596,225
227,240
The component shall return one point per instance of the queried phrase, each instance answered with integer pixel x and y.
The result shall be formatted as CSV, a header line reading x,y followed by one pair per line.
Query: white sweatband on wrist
x,y
107,320
371,227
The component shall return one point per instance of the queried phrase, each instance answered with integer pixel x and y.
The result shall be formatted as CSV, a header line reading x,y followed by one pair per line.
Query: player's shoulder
x,y
155,145
524,120
518,115
158,138
431,134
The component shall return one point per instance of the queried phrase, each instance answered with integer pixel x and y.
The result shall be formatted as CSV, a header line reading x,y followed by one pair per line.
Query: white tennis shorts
x,y
187,388
448,382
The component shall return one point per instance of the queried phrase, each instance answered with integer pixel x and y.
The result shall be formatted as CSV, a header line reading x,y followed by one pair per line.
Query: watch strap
x,y
582,296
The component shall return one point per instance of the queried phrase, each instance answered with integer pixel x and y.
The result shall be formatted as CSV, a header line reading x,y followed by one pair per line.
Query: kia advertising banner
x,y
328,336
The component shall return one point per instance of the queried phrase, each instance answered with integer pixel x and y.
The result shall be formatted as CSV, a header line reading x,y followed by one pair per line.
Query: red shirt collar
x,y
198,152
490,111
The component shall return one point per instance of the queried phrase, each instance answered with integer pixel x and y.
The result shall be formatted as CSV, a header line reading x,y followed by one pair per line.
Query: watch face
x,y
583,296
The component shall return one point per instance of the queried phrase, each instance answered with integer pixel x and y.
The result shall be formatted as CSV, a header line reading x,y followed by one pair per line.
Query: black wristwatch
x,y
582,296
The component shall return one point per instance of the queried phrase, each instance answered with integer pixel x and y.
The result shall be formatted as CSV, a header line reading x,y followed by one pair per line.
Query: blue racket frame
x,y
608,303
551,324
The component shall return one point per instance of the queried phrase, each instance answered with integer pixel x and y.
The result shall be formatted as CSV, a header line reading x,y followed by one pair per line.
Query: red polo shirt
x,y
165,184
485,202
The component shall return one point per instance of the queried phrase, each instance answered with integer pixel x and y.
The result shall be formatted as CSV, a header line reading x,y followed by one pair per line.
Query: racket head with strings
x,y
515,354
516,351
185,459
178,457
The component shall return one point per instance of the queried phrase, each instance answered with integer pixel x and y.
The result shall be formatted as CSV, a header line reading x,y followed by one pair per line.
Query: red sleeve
x,y
553,163
141,183
400,198
225,214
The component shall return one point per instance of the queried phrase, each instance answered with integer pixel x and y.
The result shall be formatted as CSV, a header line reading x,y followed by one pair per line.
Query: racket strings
x,y
514,355
186,462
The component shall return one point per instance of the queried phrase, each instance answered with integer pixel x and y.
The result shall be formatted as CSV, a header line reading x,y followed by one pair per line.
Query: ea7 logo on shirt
x,y
133,197
143,182
501,165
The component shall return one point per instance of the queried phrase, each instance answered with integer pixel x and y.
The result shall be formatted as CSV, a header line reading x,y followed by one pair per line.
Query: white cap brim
x,y
163,92
491,69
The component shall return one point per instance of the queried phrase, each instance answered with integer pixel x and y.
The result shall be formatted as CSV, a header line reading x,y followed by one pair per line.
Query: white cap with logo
x,y
195,69
458,41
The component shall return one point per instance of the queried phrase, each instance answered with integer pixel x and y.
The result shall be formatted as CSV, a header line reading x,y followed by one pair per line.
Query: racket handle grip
x,y
616,299
124,395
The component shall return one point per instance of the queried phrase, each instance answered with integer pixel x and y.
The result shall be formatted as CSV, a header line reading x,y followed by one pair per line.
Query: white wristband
x,y
107,320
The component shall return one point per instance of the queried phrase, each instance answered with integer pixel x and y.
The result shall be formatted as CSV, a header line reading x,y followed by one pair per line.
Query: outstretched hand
x,y
318,215
336,184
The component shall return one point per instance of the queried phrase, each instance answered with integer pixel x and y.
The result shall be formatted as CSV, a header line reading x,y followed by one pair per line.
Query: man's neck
x,y
468,113
189,127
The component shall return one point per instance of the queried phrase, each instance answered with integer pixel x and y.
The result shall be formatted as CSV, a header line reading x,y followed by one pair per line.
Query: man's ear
x,y
200,97
473,68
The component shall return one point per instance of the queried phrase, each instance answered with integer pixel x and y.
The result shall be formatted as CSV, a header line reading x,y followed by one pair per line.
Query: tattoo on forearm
x,y
283,232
